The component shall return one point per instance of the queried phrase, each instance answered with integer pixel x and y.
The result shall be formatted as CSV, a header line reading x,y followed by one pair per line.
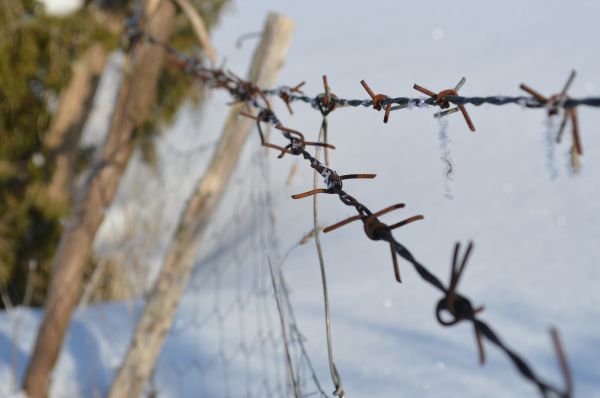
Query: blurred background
x,y
531,214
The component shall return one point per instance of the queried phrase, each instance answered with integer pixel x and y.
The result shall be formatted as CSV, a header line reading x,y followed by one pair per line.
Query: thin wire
x,y
194,66
283,322
335,377
300,339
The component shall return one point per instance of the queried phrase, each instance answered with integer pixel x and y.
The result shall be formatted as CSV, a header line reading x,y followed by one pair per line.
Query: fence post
x,y
62,138
135,98
160,309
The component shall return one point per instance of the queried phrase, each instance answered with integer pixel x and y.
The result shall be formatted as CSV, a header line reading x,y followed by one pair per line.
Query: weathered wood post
x,y
135,98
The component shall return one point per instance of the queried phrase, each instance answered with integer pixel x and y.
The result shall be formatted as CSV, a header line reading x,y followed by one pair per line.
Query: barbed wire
x,y
458,306
226,79
453,307
409,102
214,78
193,65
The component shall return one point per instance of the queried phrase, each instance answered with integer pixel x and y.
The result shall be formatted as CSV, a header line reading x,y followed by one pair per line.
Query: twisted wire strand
x,y
215,78
408,102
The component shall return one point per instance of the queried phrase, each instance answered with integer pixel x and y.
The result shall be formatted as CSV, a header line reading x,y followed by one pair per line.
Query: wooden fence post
x,y
135,98
62,139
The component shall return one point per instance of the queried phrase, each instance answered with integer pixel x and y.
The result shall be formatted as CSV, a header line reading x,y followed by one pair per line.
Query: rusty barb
x,y
554,104
332,181
245,91
264,116
286,93
377,101
297,143
326,101
443,102
376,230
562,363
457,306
461,309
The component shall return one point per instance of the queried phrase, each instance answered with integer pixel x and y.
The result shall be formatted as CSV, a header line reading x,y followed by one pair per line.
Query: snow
x,y
535,261
61,8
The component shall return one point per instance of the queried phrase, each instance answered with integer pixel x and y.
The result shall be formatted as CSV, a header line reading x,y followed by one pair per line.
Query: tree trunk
x,y
157,318
135,98
62,139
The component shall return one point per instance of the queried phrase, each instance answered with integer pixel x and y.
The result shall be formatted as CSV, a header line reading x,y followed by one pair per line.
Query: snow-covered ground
x,y
536,261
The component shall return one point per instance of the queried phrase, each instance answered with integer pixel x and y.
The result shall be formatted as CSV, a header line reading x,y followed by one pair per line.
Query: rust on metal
x,y
297,143
286,95
554,104
455,304
377,101
441,100
377,230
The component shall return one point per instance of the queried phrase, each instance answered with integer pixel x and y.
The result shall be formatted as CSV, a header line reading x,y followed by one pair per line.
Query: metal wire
x,y
216,78
335,377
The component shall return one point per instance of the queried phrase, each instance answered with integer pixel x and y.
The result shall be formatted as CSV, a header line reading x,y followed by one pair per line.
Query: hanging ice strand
x,y
556,106
442,99
445,156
